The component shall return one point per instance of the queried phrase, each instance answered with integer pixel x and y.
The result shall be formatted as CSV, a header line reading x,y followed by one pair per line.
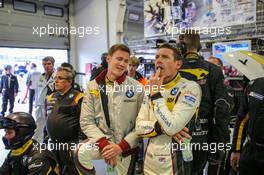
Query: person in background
x,y
45,87
97,70
133,73
212,124
26,155
16,69
132,70
223,167
23,89
32,84
9,89
248,159
216,61
63,123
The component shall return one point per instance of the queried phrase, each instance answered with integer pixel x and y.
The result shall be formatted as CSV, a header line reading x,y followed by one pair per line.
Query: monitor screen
x,y
224,47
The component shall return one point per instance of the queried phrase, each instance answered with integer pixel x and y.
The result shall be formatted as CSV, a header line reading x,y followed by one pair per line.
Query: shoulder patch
x,y
78,97
94,92
174,91
71,95
49,97
129,93
256,95
189,99
199,73
35,165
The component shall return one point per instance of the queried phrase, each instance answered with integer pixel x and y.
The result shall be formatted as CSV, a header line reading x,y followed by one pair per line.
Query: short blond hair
x,y
133,60
117,47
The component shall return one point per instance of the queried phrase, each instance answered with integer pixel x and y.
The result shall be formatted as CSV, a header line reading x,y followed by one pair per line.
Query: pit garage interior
x,y
79,31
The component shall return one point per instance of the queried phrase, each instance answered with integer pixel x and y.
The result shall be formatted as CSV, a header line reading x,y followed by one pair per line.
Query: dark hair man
x,y
166,111
9,89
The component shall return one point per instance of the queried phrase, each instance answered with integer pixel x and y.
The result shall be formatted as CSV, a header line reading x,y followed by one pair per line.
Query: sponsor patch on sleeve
x,y
35,165
189,99
256,95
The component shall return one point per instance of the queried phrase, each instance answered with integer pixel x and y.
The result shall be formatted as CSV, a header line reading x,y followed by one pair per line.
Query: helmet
x,y
24,125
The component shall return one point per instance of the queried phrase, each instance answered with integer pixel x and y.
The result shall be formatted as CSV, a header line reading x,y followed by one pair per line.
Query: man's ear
x,y
178,64
71,81
108,58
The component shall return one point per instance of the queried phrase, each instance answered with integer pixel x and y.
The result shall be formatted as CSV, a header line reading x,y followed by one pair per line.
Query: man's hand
x,y
155,83
112,162
111,151
183,133
234,160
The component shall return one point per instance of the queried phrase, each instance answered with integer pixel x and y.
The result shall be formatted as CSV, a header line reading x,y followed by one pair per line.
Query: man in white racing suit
x,y
45,88
171,105
110,106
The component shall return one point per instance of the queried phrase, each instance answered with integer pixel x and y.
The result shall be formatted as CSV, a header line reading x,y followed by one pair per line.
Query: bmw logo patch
x,y
71,96
129,93
174,91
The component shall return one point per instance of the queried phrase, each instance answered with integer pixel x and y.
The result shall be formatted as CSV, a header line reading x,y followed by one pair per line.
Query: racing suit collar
x,y
47,77
108,82
102,75
173,82
62,94
192,55
22,149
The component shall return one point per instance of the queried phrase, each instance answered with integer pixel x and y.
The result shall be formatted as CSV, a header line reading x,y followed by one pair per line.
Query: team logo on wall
x,y
174,91
129,93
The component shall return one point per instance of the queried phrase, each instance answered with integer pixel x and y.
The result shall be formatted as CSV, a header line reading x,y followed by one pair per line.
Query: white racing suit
x,y
44,88
122,107
162,116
